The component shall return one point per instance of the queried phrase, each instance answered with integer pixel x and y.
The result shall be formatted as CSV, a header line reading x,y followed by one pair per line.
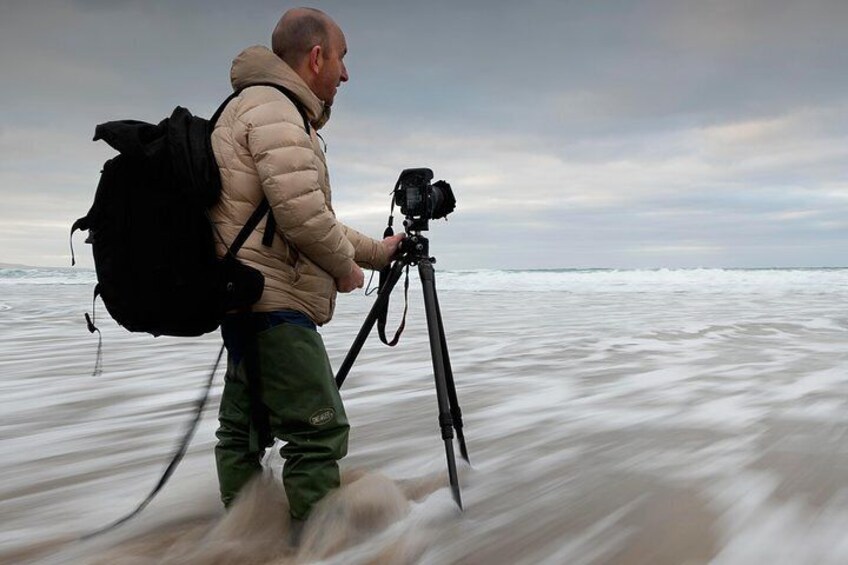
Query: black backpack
x,y
151,235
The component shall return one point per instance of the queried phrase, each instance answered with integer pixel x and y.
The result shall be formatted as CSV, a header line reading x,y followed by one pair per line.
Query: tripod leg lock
x,y
456,414
446,423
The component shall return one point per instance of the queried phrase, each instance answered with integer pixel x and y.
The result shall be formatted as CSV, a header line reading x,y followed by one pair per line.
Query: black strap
x,y
382,316
249,226
200,403
214,119
80,224
259,416
90,320
270,230
271,222
285,91
291,96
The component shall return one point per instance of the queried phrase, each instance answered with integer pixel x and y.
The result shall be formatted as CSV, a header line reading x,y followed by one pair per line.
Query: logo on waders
x,y
322,416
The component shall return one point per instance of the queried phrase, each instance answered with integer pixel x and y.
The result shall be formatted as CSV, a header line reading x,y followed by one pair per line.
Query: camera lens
x,y
442,200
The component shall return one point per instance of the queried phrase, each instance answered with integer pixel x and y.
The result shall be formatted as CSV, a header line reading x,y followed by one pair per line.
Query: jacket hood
x,y
259,64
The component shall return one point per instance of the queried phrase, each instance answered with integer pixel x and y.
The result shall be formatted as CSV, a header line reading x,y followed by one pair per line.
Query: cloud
x,y
639,134
719,189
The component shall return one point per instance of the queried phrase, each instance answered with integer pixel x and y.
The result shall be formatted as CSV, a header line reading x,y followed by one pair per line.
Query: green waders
x,y
299,403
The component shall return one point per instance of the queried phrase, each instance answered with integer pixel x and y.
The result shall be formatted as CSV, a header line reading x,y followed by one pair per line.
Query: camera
x,y
421,201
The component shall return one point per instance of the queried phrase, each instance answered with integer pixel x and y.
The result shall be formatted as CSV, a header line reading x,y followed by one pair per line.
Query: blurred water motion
x,y
612,417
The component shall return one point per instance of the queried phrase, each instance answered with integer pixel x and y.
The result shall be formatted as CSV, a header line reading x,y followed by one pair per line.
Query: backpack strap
x,y
301,109
295,100
249,226
270,222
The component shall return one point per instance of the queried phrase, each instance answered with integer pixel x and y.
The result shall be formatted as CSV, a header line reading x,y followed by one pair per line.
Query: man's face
x,y
333,71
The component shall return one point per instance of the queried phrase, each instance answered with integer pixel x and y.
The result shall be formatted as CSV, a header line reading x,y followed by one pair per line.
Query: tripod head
x,y
414,248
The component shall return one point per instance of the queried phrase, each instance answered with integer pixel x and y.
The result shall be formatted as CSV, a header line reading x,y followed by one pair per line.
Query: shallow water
x,y
611,417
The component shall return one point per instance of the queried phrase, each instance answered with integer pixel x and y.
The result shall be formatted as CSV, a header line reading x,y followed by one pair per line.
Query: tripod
x,y
414,250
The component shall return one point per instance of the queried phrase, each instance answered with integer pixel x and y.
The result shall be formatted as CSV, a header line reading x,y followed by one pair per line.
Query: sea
x,y
611,416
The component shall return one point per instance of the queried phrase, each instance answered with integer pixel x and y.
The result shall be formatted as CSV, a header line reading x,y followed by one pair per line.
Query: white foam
x,y
659,280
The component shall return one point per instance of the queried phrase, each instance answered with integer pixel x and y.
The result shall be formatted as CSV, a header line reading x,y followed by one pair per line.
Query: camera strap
x,y
382,316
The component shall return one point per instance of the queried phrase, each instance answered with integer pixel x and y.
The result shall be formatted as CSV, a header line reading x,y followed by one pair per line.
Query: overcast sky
x,y
627,134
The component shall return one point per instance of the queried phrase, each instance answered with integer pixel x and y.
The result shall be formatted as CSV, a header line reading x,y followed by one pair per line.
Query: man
x,y
279,383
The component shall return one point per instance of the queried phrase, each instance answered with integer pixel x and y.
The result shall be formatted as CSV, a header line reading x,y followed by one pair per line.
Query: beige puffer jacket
x,y
262,149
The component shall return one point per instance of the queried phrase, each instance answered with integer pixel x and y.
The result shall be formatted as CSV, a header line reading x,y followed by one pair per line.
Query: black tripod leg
x,y
368,325
428,282
456,412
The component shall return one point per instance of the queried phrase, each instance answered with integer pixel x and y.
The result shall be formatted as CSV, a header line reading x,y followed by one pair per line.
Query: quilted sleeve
x,y
368,252
286,164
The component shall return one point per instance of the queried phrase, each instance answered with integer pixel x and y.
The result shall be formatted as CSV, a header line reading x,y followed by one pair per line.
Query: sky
x,y
607,134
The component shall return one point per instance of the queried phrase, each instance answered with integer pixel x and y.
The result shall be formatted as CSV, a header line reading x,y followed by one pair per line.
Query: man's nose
x,y
344,76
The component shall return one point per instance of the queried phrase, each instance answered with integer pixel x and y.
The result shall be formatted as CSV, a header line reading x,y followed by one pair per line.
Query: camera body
x,y
421,201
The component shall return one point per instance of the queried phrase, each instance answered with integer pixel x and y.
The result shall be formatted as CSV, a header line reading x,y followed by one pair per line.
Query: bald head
x,y
298,31
314,47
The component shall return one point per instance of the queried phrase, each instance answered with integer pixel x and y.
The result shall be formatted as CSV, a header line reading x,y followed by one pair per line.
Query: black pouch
x,y
241,284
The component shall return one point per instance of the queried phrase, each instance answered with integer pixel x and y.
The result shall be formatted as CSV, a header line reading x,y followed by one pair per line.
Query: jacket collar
x,y
260,64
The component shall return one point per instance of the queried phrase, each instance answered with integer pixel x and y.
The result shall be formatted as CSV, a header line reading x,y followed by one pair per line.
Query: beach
x,y
625,417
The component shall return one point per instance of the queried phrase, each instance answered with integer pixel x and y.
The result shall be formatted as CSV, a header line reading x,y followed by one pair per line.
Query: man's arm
x,y
386,248
370,253
285,162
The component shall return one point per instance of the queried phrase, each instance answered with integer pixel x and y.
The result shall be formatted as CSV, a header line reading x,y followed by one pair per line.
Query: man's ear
x,y
316,59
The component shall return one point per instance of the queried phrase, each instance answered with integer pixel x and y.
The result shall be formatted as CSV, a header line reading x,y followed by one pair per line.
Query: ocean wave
x,y
558,280
612,280
42,275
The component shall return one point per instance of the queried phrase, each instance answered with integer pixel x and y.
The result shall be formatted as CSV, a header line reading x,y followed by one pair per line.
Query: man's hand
x,y
392,244
351,281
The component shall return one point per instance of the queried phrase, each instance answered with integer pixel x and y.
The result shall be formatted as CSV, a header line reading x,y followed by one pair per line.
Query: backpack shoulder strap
x,y
291,96
264,207
214,119
250,225
285,91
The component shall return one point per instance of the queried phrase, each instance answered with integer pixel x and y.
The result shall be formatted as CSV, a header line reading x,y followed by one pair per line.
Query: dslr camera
x,y
421,201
